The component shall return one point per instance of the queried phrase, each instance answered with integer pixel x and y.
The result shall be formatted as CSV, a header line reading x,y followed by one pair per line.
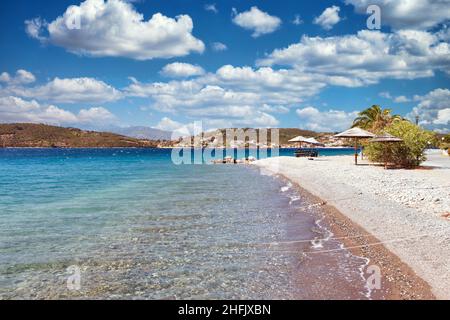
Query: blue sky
x,y
308,64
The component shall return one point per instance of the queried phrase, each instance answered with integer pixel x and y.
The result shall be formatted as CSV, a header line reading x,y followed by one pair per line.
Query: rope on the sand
x,y
348,237
358,246
431,188
370,244
323,203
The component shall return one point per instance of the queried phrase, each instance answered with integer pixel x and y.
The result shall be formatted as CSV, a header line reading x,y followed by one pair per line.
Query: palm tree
x,y
375,118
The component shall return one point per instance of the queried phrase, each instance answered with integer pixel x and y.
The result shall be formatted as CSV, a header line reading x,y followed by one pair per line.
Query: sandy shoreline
x,y
402,209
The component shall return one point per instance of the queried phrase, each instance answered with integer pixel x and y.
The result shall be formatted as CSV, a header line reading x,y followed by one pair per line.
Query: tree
x,y
375,118
408,153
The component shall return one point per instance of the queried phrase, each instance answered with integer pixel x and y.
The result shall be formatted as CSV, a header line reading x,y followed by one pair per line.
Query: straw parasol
x,y
356,134
313,142
298,139
310,141
386,139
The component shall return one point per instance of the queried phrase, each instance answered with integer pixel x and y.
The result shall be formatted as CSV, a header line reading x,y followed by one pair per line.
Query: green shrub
x,y
408,153
444,143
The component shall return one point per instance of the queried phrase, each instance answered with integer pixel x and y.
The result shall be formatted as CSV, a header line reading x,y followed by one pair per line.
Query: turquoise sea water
x,y
134,225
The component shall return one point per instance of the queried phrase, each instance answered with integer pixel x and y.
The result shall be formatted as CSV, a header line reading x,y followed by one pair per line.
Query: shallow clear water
x,y
137,226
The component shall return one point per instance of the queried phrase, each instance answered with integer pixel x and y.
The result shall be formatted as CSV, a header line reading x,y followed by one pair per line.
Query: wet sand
x,y
398,280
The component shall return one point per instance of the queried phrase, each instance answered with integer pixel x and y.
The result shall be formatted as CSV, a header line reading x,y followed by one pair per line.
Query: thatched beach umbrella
x,y
313,142
298,139
386,139
310,141
355,133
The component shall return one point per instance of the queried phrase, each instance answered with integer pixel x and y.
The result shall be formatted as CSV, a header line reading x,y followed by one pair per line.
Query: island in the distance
x,y
29,135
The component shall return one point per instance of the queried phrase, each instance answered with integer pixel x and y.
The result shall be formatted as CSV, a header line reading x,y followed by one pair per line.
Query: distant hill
x,y
285,134
143,133
45,136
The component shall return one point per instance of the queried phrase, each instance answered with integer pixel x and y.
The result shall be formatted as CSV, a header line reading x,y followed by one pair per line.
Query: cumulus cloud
x,y
181,70
407,14
21,77
113,28
233,95
433,110
258,21
366,57
219,46
15,109
71,90
95,115
34,28
325,121
221,94
328,18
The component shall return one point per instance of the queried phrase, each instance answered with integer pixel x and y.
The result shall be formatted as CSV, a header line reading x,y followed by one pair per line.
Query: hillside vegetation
x,y
45,136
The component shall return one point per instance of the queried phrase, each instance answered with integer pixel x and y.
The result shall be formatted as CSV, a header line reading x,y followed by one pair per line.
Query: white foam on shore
x,y
319,242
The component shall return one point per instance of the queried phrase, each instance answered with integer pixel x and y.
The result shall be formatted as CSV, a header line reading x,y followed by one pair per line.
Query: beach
x,y
396,218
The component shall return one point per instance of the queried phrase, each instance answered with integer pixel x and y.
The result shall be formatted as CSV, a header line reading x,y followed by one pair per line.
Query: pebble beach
x,y
405,211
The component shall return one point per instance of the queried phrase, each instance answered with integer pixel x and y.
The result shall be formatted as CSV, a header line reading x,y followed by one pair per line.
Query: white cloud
x,y
179,129
367,57
385,94
95,115
181,70
5,77
115,29
14,109
243,87
219,46
72,90
398,99
258,21
233,96
21,77
443,118
297,20
407,14
168,124
433,110
401,99
325,121
34,28
211,7
328,18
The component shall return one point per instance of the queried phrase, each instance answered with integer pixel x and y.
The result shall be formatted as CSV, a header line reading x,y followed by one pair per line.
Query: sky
x,y
235,63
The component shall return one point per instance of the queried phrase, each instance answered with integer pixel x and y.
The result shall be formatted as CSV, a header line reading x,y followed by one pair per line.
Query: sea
x,y
132,224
